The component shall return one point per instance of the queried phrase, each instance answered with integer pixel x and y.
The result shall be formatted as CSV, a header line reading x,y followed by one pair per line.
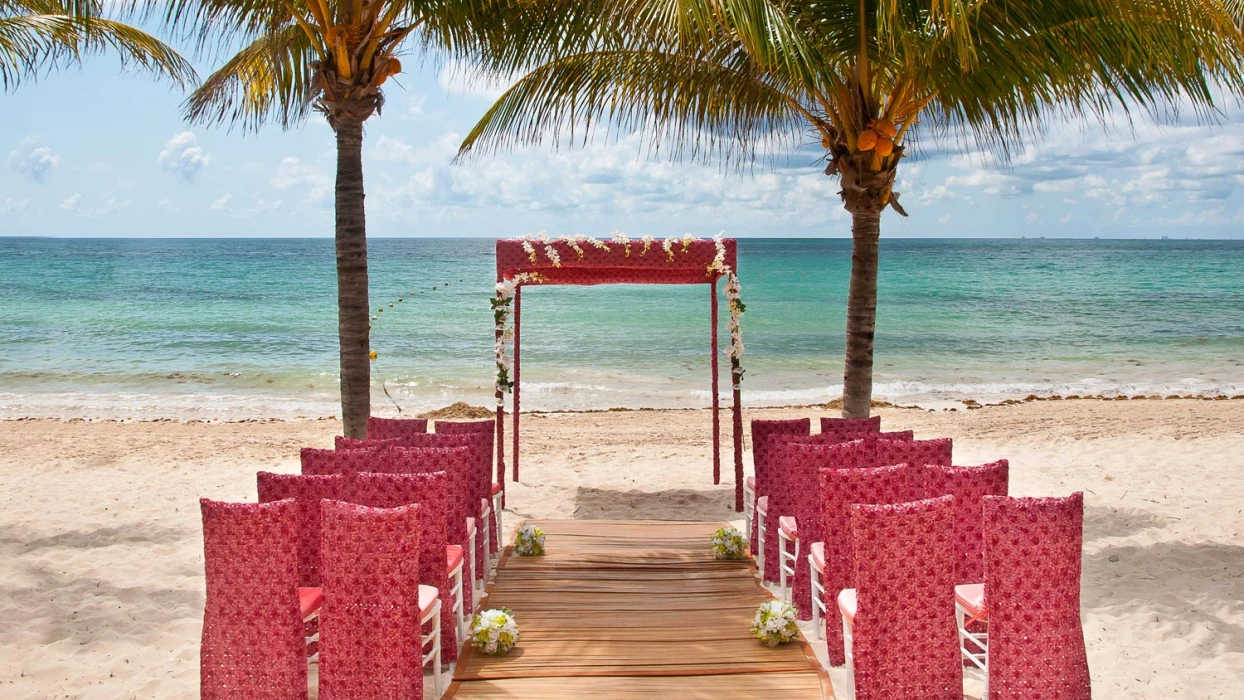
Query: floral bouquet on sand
x,y
529,541
494,632
728,543
775,623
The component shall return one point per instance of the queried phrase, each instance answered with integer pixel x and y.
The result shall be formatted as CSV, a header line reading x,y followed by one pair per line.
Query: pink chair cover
x,y
429,492
369,626
372,459
480,446
455,462
308,491
484,427
912,451
843,429
253,643
904,641
382,428
1032,593
344,443
969,486
764,435
841,488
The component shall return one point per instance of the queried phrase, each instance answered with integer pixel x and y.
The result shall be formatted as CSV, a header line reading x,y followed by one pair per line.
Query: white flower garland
x,y
501,308
734,301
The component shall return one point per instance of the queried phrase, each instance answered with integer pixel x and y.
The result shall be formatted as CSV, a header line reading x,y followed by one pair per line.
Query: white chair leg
x,y
470,557
817,594
496,508
749,510
850,667
485,521
973,646
760,544
433,616
458,603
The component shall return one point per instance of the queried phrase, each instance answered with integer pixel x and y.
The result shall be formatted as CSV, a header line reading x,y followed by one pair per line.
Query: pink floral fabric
x,y
840,489
843,429
253,644
765,434
618,265
308,491
936,451
1032,592
383,428
904,640
319,462
344,443
369,625
429,491
480,427
969,486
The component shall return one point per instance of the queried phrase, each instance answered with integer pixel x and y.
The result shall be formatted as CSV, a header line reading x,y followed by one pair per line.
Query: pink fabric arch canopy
x,y
585,263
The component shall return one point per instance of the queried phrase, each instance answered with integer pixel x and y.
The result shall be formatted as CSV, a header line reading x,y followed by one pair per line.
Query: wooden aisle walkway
x,y
634,609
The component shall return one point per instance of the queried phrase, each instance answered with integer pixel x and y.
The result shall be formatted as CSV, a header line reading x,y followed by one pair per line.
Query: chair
x,y
429,492
1030,600
843,429
496,490
900,636
839,489
936,451
253,643
344,443
969,486
460,525
320,462
757,489
480,446
371,641
383,428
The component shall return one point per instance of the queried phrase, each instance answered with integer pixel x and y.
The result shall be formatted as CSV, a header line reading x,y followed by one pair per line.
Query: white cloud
x,y
71,204
108,205
183,157
168,205
292,172
222,202
11,204
32,159
414,107
457,77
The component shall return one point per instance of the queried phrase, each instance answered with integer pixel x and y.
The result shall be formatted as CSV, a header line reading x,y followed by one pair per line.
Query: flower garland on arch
x,y
542,242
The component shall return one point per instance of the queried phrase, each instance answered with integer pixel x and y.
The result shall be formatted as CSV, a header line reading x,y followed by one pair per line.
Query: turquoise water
x,y
247,327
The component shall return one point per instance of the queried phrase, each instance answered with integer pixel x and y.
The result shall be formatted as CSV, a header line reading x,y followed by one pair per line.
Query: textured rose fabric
x,y
840,489
369,626
370,459
341,442
765,434
1032,592
618,265
843,429
936,451
253,644
308,491
481,427
969,486
384,428
455,462
428,491
904,640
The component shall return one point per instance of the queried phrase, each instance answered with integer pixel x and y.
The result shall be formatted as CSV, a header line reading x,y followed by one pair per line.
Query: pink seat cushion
x,y
751,483
453,557
762,504
972,597
309,600
788,526
427,598
818,556
846,603
496,488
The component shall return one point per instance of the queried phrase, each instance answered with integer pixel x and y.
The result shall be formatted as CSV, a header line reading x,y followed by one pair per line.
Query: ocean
x,y
246,328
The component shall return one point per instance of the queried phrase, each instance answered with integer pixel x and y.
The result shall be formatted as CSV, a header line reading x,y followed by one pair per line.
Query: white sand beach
x,y
101,580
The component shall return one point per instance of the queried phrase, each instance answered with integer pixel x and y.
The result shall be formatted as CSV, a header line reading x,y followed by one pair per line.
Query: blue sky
x,y
94,152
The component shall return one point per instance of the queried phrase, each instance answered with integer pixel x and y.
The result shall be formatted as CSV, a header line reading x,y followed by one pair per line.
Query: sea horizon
x,y
239,328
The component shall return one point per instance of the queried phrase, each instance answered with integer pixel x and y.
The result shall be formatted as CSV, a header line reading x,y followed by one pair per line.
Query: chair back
x,y
764,434
369,626
382,428
905,643
253,643
429,491
460,500
307,491
457,427
936,451
969,486
341,442
839,490
1032,592
371,459
843,429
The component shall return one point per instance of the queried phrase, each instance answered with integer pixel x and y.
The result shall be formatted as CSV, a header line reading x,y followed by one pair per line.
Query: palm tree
x,y
331,57
39,36
863,78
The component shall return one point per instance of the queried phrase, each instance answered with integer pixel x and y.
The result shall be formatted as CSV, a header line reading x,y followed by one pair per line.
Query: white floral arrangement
x,y
529,541
728,543
494,632
501,310
775,623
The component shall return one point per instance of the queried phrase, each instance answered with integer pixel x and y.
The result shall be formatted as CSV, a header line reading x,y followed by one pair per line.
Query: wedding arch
x,y
580,260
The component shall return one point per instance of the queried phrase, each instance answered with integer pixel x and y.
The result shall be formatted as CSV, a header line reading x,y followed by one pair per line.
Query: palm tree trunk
x,y
353,306
857,378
